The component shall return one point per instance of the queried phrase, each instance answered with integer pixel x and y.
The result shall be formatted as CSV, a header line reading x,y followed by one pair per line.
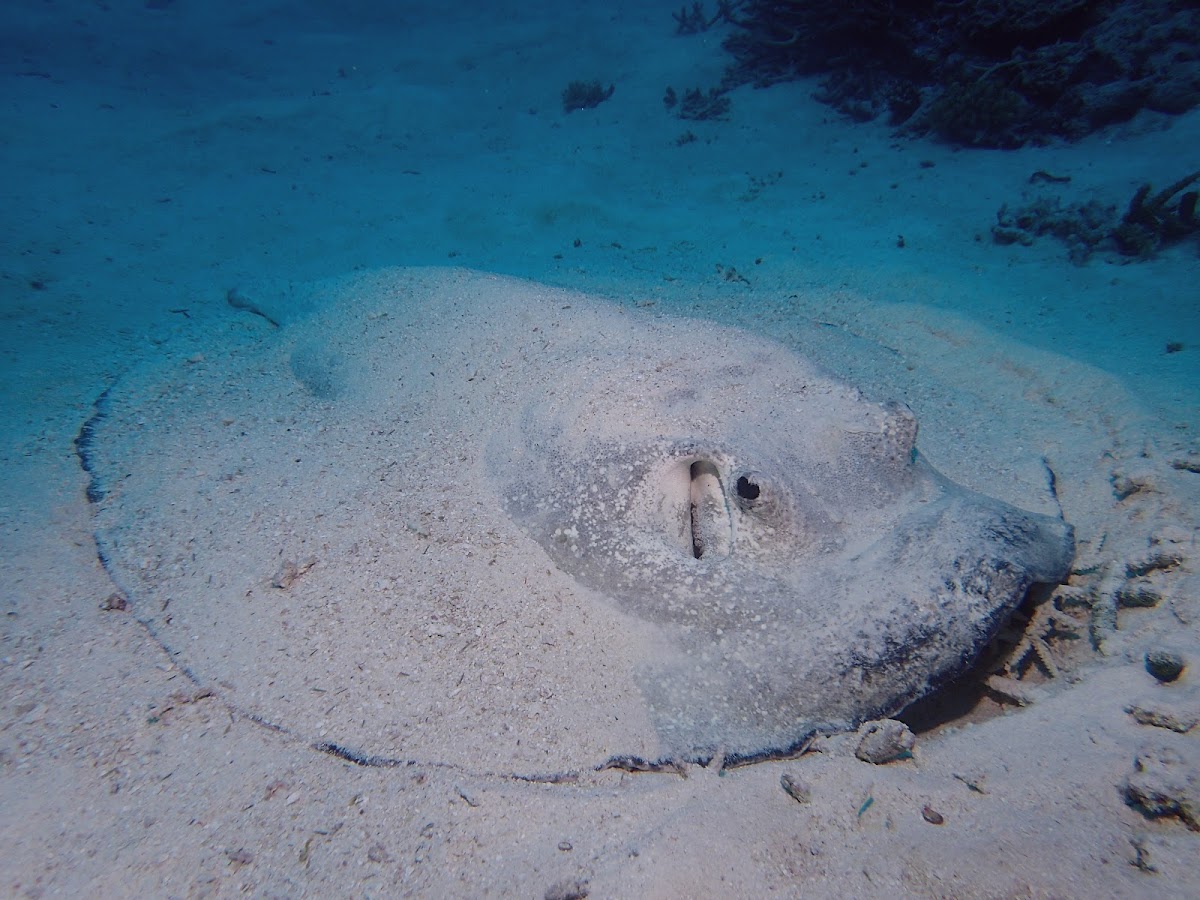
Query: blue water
x,y
157,154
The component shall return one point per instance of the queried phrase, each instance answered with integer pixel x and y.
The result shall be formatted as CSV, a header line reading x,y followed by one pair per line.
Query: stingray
x,y
454,517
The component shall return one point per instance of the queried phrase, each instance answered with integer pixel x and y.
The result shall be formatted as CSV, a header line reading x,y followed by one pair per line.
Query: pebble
x,y
116,601
884,741
795,788
1165,665
568,889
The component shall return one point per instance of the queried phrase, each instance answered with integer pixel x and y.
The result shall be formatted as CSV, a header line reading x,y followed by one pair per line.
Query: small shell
x,y
931,815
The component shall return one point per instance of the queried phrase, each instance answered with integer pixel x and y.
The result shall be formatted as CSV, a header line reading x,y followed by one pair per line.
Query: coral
x,y
585,95
780,40
1083,227
978,113
694,20
698,105
1042,639
903,98
1138,582
690,21
1044,68
1152,221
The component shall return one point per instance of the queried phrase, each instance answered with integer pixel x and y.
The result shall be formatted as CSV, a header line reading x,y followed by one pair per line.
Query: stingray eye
x,y
749,490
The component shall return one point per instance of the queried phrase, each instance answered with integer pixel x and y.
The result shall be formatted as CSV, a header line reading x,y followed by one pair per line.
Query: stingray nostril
x,y
748,488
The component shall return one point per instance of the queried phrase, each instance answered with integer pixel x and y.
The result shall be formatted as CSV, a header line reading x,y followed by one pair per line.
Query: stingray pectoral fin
x,y
1044,546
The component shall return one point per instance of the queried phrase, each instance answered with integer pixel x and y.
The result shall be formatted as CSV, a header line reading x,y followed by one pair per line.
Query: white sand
x,y
148,175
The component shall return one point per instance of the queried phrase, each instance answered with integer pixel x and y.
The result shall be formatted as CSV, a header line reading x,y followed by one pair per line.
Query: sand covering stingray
x,y
450,516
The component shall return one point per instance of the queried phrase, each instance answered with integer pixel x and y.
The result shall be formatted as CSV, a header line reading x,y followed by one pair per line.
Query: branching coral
x,y
1041,67
1152,221
585,95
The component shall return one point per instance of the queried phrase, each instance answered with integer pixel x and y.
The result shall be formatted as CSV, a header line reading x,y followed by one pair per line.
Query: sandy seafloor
x,y
155,158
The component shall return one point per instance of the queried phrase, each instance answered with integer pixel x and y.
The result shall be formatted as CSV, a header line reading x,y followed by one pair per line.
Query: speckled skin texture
x,y
807,568
577,529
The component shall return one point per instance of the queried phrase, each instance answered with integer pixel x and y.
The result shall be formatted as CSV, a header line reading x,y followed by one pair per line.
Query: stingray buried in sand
x,y
528,529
